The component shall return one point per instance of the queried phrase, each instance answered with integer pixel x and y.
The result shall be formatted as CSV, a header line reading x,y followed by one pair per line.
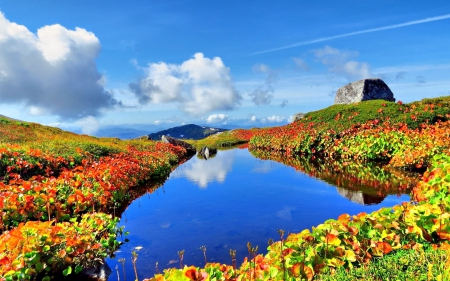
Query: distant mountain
x,y
121,133
190,131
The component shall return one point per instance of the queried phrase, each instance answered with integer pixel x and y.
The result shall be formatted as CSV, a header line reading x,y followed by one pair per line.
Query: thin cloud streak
x,y
437,18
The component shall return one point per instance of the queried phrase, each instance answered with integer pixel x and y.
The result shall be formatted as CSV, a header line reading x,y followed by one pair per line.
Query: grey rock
x,y
189,148
298,116
363,90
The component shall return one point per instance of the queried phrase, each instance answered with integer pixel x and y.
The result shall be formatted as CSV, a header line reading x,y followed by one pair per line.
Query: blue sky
x,y
88,64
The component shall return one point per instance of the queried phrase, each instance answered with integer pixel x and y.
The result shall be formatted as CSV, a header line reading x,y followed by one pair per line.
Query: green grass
x,y
222,140
414,265
343,116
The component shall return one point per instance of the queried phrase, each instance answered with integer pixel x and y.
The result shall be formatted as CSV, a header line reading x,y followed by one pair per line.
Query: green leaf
x,y
273,272
67,271
39,266
78,269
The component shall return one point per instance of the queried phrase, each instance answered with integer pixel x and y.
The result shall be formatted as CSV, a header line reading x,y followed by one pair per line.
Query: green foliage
x,y
219,141
342,116
56,189
422,264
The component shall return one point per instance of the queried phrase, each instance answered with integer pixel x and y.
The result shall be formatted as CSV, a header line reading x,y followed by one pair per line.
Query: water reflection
x,y
362,183
247,200
360,197
204,172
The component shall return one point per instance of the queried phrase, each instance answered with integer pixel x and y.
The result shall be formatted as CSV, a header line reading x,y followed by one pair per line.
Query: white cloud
x,y
200,85
37,111
53,70
216,118
89,125
338,62
274,119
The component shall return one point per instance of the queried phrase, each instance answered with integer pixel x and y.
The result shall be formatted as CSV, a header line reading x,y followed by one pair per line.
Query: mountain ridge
x,y
189,131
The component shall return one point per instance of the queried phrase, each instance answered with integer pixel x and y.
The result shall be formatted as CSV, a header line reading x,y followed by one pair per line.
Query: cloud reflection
x,y
204,172
286,213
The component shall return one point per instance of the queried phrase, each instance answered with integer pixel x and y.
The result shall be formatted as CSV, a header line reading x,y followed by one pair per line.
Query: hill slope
x,y
190,131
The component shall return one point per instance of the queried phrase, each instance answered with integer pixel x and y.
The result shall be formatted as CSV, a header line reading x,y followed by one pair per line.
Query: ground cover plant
x,y
59,193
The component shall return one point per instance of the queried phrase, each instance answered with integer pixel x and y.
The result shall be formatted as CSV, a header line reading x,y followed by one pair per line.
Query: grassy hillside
x,y
60,194
340,117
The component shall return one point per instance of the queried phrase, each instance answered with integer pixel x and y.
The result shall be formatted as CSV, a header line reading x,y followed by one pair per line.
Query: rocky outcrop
x,y
363,90
298,116
189,148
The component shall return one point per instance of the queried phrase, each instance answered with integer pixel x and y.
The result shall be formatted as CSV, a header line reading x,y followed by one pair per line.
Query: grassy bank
x,y
60,194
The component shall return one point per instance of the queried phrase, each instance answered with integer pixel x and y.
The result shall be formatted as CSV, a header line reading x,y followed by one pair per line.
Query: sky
x,y
91,64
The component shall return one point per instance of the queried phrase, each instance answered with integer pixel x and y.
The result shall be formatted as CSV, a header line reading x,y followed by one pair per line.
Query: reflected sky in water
x,y
202,172
223,203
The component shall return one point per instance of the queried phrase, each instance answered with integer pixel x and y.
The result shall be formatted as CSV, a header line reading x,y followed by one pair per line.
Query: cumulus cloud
x,y
263,94
284,103
340,63
200,85
216,118
52,71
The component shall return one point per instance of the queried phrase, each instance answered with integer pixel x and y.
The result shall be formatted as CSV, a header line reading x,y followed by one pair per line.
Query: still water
x,y
223,203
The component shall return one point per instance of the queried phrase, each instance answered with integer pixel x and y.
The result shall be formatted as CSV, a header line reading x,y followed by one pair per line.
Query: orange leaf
x,y
332,239
302,269
344,218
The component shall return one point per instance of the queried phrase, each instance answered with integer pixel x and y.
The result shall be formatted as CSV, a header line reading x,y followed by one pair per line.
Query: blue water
x,y
223,203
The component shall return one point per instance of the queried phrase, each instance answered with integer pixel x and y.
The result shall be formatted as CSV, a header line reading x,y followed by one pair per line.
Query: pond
x,y
225,202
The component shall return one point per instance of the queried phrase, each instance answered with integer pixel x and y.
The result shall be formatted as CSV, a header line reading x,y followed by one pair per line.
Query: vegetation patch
x,y
60,195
